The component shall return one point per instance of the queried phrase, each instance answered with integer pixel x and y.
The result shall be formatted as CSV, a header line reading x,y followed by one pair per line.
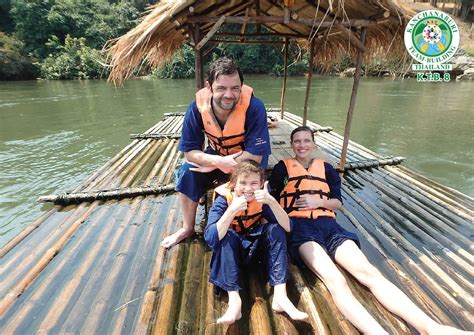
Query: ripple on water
x,y
61,161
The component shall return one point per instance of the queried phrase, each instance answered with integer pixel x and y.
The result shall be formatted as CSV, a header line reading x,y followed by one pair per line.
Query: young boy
x,y
241,218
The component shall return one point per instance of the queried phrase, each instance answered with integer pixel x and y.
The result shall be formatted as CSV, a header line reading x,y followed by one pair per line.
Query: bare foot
x,y
283,304
175,238
233,312
438,329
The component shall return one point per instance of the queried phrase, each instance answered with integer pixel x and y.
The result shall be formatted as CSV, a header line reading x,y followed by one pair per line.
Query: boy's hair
x,y
302,128
245,167
225,66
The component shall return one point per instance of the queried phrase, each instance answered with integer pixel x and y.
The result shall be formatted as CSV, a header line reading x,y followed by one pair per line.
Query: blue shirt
x,y
280,174
257,139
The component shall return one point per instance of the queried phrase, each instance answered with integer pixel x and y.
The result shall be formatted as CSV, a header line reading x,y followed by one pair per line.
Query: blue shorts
x,y
195,184
324,230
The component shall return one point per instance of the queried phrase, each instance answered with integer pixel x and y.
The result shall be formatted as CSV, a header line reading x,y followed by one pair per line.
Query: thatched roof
x,y
334,24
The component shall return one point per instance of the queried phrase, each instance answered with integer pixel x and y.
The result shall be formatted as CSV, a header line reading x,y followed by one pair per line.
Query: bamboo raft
x,y
96,266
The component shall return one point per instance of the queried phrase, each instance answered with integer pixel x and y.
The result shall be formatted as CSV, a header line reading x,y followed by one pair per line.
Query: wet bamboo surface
x,y
97,267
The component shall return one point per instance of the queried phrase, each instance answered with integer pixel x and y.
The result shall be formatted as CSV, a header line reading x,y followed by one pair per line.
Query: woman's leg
x,y
321,264
277,266
351,258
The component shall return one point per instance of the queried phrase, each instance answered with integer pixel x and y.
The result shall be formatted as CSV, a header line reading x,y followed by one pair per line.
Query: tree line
x,y
63,39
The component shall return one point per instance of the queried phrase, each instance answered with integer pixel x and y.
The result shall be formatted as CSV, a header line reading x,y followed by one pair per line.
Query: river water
x,y
53,134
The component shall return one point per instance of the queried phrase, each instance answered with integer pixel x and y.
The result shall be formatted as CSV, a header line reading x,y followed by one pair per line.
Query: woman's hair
x,y
245,167
302,128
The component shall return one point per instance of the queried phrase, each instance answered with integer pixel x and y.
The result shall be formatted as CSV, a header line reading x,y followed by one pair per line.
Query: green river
x,y
53,134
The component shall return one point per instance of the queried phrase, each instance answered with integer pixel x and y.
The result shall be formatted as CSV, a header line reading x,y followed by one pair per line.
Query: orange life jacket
x,y
246,220
231,139
310,182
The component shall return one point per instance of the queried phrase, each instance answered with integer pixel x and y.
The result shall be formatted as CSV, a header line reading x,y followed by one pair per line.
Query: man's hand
x,y
238,204
228,163
202,169
264,196
306,202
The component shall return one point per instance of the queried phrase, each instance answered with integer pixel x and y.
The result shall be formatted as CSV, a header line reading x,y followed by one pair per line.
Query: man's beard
x,y
221,104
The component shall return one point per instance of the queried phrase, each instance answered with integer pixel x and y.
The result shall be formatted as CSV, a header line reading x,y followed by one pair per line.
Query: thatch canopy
x,y
335,25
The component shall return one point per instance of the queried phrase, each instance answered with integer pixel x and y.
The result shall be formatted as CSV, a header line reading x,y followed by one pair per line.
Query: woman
x,y
309,191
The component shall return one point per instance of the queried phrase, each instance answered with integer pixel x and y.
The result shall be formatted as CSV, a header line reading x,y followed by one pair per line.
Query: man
x,y
235,123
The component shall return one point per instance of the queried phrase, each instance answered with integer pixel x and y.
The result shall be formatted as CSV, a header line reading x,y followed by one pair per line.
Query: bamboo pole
x,y
308,80
155,136
355,88
148,310
373,163
442,212
401,198
259,318
190,310
16,291
131,192
11,273
101,225
26,232
316,318
444,292
411,287
334,321
211,33
148,241
114,162
285,73
435,195
46,288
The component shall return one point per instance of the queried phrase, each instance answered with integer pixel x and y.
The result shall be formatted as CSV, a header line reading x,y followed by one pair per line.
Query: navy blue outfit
x,y
257,142
323,230
235,249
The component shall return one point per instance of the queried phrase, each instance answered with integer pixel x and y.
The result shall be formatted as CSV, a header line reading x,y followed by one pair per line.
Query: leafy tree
x,y
73,60
13,64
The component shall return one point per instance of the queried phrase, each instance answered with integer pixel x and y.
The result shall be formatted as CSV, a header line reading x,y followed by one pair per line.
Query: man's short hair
x,y
224,66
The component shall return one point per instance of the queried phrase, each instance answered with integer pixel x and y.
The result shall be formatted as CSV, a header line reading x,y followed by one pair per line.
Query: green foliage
x,y
97,21
73,60
13,65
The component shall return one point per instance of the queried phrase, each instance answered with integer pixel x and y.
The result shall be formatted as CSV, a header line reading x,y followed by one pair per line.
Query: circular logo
x,y
431,37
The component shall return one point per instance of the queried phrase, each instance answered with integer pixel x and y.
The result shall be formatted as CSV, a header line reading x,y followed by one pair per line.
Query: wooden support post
x,y
308,82
285,73
355,87
211,33
198,60
257,11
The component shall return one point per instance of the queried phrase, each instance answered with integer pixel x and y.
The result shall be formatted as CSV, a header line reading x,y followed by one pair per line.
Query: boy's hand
x,y
263,195
238,204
